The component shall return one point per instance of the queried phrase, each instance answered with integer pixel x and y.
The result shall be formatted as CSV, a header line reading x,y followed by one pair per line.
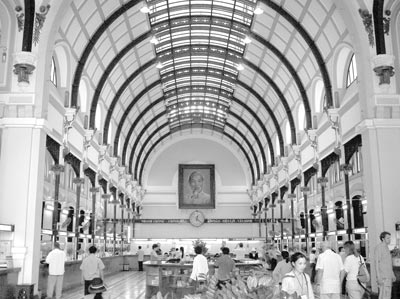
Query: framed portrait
x,y
196,186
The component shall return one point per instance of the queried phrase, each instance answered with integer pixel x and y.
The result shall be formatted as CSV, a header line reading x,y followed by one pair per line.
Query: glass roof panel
x,y
199,45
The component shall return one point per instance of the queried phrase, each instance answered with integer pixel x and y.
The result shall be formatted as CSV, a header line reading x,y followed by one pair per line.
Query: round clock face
x,y
197,218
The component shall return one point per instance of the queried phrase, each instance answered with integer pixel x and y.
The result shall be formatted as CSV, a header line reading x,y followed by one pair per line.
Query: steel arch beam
x,y
189,127
144,129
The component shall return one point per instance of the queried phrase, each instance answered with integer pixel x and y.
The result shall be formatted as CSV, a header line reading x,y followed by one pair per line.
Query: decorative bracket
x,y
39,21
368,24
334,119
69,118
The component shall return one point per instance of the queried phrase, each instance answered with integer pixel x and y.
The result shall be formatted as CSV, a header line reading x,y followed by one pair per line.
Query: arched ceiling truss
x,y
152,121
199,50
191,127
140,117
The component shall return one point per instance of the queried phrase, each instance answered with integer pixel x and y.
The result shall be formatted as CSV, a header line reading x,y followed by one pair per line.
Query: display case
x,y
173,278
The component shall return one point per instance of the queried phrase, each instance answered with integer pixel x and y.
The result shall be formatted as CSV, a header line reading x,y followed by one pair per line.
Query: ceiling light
x,y
258,10
240,67
247,40
159,65
145,9
154,40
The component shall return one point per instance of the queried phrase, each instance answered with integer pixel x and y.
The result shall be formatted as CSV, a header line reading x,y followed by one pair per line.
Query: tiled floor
x,y
124,285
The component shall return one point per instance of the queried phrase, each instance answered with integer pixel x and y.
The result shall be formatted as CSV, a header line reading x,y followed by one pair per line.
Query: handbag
x,y
363,275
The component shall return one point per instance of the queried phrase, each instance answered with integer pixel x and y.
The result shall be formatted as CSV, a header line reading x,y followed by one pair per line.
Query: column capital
x,y
106,196
78,181
94,189
346,168
322,180
305,189
57,168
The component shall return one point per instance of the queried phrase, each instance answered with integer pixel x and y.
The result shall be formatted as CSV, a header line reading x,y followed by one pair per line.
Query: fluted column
x,y
106,198
57,169
79,182
305,190
325,224
346,168
292,197
94,190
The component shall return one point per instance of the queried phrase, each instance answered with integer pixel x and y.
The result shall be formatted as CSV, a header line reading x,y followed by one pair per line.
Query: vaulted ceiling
x,y
236,68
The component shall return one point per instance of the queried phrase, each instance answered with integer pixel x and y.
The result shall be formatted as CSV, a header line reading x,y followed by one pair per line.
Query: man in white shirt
x,y
56,260
92,267
330,272
240,252
140,258
200,266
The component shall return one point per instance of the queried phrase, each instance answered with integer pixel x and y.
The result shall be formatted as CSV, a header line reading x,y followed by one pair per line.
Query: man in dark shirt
x,y
225,266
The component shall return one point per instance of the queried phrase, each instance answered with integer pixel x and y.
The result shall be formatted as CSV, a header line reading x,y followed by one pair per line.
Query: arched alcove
x,y
164,168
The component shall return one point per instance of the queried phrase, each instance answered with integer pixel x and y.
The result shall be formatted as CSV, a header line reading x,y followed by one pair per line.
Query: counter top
x,y
9,270
165,264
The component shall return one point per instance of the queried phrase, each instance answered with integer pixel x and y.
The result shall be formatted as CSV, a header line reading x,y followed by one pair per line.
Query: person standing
x,y
240,252
313,262
56,260
283,267
330,272
92,267
383,266
296,281
200,266
225,266
140,258
154,256
351,266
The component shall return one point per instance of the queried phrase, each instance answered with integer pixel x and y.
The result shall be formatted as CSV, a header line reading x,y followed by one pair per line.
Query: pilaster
x,y
22,159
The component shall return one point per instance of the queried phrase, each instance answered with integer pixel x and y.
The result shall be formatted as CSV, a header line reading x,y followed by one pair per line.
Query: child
x,y
296,281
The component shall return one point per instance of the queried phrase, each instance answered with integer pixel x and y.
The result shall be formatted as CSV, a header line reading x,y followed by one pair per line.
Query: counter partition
x,y
173,278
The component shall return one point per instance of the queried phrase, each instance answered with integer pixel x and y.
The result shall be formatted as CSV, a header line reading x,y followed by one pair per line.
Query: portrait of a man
x,y
196,186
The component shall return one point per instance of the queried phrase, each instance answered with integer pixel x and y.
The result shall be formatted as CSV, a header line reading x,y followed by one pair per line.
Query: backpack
x,y
363,275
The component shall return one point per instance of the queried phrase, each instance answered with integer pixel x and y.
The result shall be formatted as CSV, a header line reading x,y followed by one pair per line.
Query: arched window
x,y
318,96
351,71
288,133
277,147
97,121
301,116
110,128
83,95
53,71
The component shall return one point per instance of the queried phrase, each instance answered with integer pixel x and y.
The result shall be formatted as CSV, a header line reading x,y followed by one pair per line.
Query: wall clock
x,y
197,218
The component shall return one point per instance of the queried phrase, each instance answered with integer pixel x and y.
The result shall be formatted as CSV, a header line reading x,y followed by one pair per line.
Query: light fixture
x,y
258,10
154,40
6,227
145,9
4,55
159,65
247,40
240,67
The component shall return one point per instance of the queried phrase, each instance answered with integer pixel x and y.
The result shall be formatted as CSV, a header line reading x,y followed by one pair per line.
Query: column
x,y
79,182
381,164
94,190
106,198
57,169
292,196
305,190
324,216
346,168
23,148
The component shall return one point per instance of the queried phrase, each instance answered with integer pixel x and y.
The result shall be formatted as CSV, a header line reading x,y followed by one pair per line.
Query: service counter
x,y
173,278
72,275
8,282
